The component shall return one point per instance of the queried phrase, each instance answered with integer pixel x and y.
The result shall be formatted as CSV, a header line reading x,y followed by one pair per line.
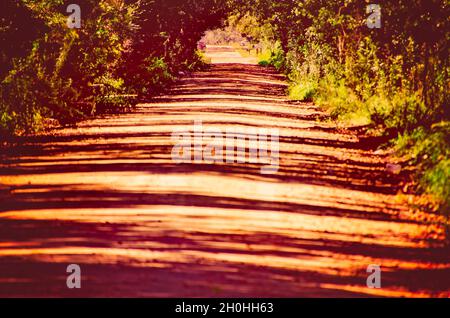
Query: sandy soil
x,y
107,195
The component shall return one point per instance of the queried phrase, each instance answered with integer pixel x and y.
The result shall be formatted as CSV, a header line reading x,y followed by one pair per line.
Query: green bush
x,y
198,62
156,77
429,151
273,56
303,91
56,76
341,102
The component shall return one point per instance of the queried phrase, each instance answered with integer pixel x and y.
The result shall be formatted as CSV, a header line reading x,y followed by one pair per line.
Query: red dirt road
x,y
107,195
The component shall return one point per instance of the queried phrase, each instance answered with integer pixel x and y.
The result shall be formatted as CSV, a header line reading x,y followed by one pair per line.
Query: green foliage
x,y
158,74
227,35
429,150
342,102
303,91
123,48
29,94
199,61
56,75
402,112
110,96
394,79
273,56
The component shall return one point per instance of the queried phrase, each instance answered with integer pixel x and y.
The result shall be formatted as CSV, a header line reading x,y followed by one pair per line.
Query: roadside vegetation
x,y
50,73
391,81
